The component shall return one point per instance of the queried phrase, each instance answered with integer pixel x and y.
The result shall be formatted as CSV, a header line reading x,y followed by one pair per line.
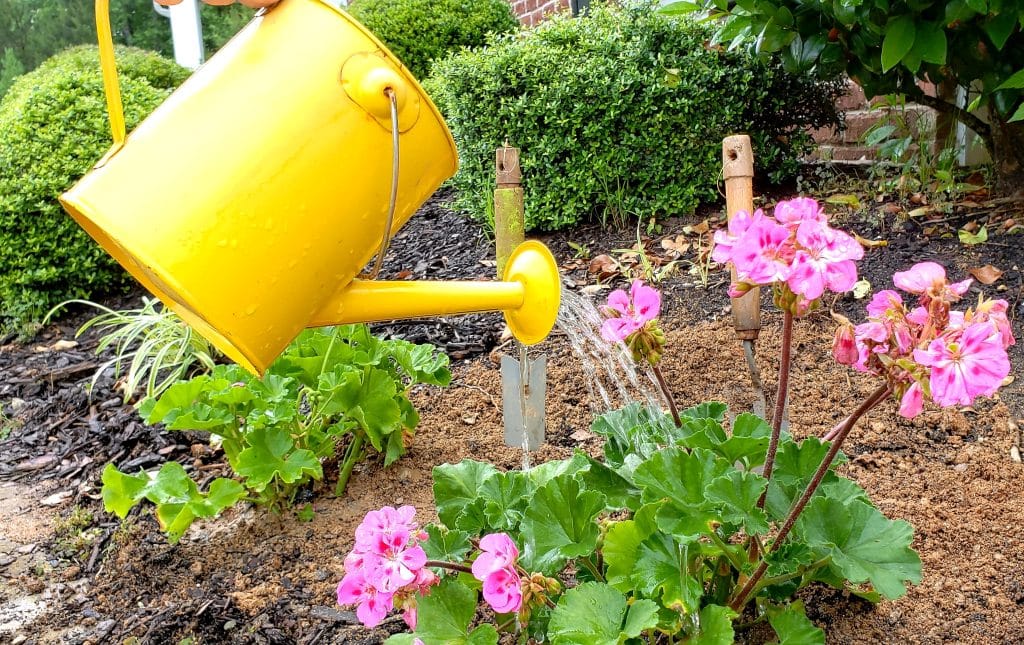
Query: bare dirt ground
x,y
73,574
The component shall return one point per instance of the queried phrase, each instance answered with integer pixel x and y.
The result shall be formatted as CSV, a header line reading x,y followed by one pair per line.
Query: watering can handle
x,y
111,87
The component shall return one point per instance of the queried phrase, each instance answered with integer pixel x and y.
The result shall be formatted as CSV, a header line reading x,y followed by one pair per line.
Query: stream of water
x,y
613,378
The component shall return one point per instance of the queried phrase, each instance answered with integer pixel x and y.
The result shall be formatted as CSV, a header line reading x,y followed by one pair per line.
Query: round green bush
x,y
420,31
53,128
619,114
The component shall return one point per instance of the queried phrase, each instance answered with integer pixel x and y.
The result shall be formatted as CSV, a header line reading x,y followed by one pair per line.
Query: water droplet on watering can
x,y
250,310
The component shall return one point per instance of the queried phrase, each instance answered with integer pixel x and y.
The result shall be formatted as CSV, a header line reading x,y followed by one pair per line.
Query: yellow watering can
x,y
251,198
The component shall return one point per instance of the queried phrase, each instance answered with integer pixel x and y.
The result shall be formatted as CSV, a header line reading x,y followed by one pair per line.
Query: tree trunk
x,y
1008,157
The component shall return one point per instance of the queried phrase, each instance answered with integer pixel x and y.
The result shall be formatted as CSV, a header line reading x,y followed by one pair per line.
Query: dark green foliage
x,y
619,114
53,128
420,31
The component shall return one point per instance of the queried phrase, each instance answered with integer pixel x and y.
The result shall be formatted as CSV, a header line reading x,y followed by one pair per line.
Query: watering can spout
x,y
528,295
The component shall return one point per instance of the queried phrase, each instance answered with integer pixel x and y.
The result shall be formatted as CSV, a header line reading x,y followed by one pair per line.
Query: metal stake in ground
x,y
523,381
738,170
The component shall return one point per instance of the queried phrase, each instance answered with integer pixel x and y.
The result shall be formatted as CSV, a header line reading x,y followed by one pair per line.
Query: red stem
x,y
441,564
668,395
876,397
780,400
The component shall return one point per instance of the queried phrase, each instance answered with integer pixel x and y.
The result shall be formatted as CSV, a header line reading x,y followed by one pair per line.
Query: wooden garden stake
x,y
509,223
738,170
524,381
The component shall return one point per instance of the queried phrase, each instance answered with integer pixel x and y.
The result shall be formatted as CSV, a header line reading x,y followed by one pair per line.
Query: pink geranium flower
x,y
502,591
372,605
763,254
793,212
962,368
496,568
397,568
928,279
725,240
825,259
629,313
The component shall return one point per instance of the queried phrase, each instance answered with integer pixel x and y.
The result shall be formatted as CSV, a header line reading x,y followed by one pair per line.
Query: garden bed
x,y
250,577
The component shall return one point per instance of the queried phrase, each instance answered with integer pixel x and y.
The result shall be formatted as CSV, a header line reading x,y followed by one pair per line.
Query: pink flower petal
x,y
920,277
912,402
646,301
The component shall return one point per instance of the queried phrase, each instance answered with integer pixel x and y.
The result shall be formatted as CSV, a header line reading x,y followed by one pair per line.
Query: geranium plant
x,y
688,522
332,387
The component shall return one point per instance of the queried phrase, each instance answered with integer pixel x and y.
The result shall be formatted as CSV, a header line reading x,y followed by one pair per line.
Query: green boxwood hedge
x,y
420,31
619,114
53,128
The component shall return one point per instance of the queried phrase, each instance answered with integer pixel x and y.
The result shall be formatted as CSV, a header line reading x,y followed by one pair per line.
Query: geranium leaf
x,y
596,614
662,564
120,491
621,542
715,626
456,485
445,614
445,544
559,524
748,441
793,627
267,456
681,477
504,497
737,493
864,545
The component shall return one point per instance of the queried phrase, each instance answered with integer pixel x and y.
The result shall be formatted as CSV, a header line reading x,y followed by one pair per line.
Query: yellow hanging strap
x,y
110,85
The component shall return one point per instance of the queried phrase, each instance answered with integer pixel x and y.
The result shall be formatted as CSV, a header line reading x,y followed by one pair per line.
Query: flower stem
x,y
876,397
451,566
589,565
352,455
668,395
726,551
780,401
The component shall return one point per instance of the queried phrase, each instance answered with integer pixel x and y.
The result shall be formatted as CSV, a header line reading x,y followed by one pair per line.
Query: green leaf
x,y
679,7
221,494
456,485
366,395
472,518
594,614
708,410
899,38
1015,82
793,627
445,544
930,43
505,496
970,239
120,491
681,478
662,569
271,453
1018,115
748,442
864,545
445,614
715,626
621,542
999,26
737,492
618,491
559,524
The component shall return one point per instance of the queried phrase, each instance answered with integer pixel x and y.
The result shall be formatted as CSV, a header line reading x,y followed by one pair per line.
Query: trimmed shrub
x,y
53,128
420,31
619,114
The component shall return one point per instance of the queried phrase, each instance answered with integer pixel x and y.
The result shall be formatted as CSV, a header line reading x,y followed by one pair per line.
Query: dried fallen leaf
x,y
986,274
404,274
861,288
971,226
56,499
870,244
594,289
921,212
603,265
697,229
677,245
61,345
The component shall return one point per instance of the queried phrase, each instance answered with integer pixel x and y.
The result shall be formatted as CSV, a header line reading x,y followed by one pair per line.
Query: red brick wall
x,y
532,12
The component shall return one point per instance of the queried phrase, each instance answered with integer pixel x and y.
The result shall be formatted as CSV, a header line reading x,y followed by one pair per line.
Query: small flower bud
x,y
844,346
